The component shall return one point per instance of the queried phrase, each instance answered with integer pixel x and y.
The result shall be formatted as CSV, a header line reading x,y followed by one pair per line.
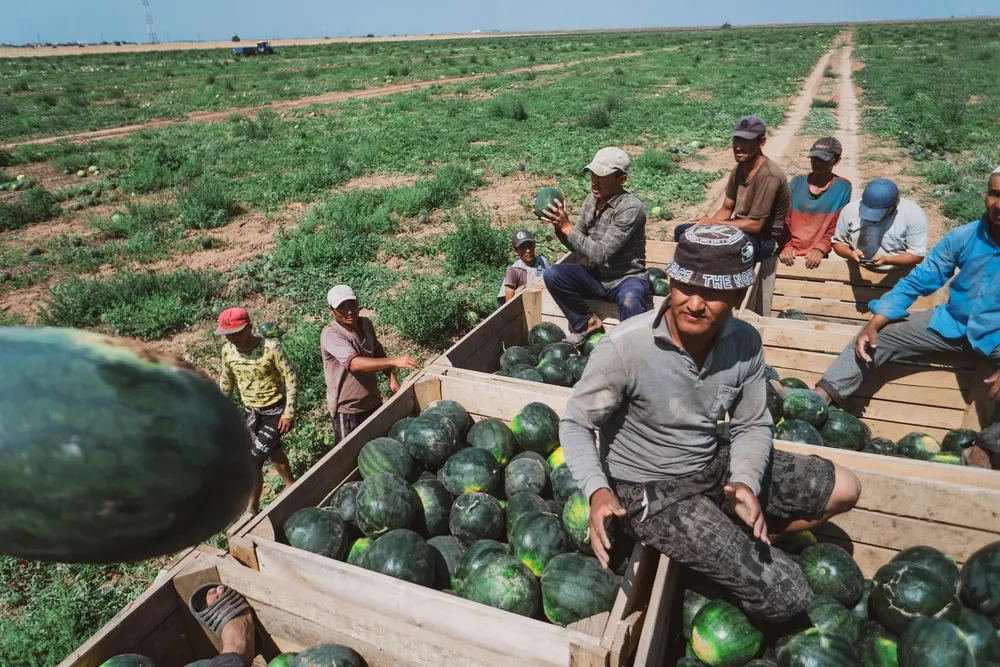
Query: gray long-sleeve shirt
x,y
612,237
658,413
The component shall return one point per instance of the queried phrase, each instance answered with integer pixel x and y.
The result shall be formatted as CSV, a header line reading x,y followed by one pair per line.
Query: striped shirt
x,y
812,219
612,237
264,375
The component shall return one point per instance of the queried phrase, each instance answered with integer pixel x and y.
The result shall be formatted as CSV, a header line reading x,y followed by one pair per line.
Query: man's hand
x,y
857,255
406,361
787,255
285,425
747,508
994,382
557,216
879,261
813,258
603,505
393,383
868,338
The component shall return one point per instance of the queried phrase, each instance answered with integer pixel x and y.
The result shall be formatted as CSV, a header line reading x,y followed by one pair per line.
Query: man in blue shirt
x,y
969,323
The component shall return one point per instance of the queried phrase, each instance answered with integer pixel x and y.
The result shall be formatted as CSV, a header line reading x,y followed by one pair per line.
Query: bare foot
x,y
826,396
237,636
977,457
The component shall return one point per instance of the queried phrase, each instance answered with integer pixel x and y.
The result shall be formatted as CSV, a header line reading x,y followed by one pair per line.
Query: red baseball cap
x,y
232,320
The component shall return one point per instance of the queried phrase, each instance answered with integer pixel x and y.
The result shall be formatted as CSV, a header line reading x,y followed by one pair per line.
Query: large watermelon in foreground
x,y
536,428
843,431
432,438
918,446
503,582
980,584
722,636
112,452
386,455
385,502
544,334
796,430
495,437
401,554
434,510
903,592
545,198
478,554
476,516
344,502
575,586
816,649
536,538
327,655
317,530
806,405
526,474
935,642
453,411
831,571
470,470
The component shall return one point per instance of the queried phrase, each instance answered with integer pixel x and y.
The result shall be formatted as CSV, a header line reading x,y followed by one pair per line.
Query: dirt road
x,y
847,122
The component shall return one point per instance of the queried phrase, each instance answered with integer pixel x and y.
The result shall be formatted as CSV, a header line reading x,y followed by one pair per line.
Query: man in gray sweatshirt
x,y
656,388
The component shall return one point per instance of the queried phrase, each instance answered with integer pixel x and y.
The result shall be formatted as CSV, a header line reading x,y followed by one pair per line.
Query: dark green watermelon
x,y
268,330
722,635
774,403
544,334
516,356
447,552
659,287
128,660
689,661
545,198
878,652
934,642
328,655
501,373
283,660
577,365
770,374
942,565
386,455
529,375
903,592
843,431
318,531
831,571
946,458
982,637
860,610
812,648
344,502
453,411
432,439
576,522
470,470
519,368
495,437
523,503
478,553
793,383
563,484
505,583
693,602
476,516
796,543
356,554
592,341
536,428
575,587
958,440
385,502
806,405
557,458
918,446
796,430
528,454
561,351
402,554
833,618
526,474
883,446
555,371
434,508
655,272
536,538
981,582
398,430
792,314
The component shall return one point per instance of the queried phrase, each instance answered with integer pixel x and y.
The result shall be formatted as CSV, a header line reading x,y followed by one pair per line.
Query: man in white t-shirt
x,y
882,231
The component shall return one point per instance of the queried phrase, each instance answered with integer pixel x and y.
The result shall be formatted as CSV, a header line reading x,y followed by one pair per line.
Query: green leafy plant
x,y
475,243
207,204
34,205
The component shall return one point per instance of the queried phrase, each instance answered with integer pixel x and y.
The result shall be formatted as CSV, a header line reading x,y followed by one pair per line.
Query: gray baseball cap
x,y
826,149
521,237
608,161
750,127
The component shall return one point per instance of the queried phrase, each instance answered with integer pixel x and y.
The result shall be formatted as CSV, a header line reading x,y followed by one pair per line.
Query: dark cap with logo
x,y
521,237
826,149
718,257
750,127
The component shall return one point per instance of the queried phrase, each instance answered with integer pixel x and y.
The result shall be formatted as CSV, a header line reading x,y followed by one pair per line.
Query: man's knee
x,y
553,275
633,301
846,491
787,594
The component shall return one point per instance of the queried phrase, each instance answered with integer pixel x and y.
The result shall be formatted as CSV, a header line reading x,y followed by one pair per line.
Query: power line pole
x,y
150,29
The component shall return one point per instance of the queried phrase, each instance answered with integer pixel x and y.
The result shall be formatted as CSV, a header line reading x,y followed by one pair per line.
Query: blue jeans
x,y
761,247
571,284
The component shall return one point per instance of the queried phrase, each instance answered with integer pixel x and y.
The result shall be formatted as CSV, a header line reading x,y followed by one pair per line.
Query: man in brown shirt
x,y
352,355
757,195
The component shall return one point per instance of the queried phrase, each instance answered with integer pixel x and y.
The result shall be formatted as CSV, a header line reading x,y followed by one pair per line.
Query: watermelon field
x,y
263,182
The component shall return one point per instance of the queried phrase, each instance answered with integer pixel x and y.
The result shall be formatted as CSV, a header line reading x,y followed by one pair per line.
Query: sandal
x,y
215,616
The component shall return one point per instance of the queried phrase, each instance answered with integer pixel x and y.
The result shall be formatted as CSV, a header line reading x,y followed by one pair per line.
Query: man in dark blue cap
x,y
882,231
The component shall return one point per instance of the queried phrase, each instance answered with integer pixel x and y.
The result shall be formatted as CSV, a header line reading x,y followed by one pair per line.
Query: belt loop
x,y
645,502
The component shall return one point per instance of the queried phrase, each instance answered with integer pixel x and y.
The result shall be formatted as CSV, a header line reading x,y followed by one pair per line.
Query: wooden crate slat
x,y
898,532
822,307
834,291
891,391
840,270
903,373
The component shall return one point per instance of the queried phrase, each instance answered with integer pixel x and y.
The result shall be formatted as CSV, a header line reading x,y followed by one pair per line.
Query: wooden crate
x,y
609,639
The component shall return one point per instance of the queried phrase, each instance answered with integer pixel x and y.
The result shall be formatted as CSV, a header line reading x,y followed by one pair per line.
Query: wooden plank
x,y
904,374
873,388
823,307
838,269
659,253
834,291
653,638
480,349
904,413
894,430
492,396
606,310
635,585
584,656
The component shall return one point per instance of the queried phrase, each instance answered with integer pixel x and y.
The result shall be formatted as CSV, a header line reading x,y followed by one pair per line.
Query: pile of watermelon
x,y
335,655
486,510
547,357
803,416
918,610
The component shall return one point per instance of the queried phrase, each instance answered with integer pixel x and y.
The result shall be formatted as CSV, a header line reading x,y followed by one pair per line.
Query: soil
x,y
245,238
503,194
380,181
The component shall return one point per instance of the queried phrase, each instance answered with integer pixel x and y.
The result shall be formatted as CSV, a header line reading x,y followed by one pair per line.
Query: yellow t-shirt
x,y
264,375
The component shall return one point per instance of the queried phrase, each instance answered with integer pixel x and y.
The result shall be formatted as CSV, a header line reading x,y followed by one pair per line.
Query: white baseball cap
x,y
608,161
339,294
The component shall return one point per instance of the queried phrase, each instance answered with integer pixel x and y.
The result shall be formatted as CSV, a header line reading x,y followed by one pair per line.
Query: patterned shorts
x,y
263,426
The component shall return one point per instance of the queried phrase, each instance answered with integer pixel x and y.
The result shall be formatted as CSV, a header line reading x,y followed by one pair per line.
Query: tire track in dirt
x,y
847,121
326,98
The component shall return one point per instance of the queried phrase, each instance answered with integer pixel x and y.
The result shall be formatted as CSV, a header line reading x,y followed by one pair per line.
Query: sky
x,y
196,20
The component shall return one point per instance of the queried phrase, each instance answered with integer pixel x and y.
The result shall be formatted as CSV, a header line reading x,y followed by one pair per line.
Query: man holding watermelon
x,y
657,387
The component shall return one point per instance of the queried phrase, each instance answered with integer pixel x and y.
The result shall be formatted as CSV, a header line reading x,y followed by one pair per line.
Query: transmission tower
x,y
150,29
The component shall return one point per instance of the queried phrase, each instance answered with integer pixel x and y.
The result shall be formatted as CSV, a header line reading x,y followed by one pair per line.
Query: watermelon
x,y
958,440
536,538
860,610
536,428
561,351
556,458
793,383
544,334
843,431
518,368
530,375
577,365
796,430
401,554
833,618
903,592
267,330
516,355
475,557
356,554
563,484
318,531
831,571
918,446
476,516
545,198
555,371
792,314
470,470
386,455
591,342
432,439
689,661
883,446
878,652
501,373
495,437
795,543
693,602
157,461
398,430
770,374
947,458
434,509
721,635
575,587
385,502
283,660
806,405
453,411
128,660
525,474
523,503
447,552
576,522
655,272
659,287
535,456
934,642
328,655
942,565
981,635
774,402
980,582
813,648
344,502
505,583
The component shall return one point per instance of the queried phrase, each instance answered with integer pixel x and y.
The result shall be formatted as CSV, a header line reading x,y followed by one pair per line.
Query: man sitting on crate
x,y
657,387
968,324
611,235
882,231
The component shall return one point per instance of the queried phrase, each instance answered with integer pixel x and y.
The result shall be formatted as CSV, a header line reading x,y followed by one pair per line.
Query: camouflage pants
x,y
690,520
